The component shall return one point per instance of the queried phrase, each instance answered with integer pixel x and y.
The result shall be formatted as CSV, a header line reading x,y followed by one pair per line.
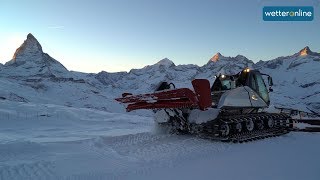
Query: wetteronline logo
x,y
288,13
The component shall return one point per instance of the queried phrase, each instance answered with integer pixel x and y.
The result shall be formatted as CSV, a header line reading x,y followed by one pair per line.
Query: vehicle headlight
x,y
254,97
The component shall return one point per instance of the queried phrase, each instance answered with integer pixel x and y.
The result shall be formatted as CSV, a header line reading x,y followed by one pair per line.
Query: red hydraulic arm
x,y
176,98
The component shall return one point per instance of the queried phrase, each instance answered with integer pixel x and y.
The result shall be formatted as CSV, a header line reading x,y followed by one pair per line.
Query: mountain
x,y
292,60
220,64
296,79
34,76
215,58
30,60
165,62
306,51
150,76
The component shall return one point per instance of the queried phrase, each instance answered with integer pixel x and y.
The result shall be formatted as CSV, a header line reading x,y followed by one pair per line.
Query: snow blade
x,y
177,98
202,89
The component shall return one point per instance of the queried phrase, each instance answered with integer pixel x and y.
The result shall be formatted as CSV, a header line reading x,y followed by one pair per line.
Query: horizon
x,y
118,36
221,54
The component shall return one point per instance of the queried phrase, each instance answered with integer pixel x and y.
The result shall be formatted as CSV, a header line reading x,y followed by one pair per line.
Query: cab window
x,y
262,89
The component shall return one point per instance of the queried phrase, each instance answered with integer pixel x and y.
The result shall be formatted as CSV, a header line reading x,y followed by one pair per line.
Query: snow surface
x,y
45,141
59,124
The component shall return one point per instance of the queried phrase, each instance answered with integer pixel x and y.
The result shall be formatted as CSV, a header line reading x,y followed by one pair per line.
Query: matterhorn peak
x,y
29,59
31,37
30,47
216,57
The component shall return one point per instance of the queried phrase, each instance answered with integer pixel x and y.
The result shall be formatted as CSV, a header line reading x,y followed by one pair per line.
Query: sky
x,y
118,35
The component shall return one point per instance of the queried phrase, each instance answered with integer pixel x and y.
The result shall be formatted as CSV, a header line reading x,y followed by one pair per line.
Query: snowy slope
x,y
46,141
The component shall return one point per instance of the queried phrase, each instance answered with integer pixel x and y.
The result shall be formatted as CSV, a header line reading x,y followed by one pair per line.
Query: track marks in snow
x,y
33,171
143,152
20,150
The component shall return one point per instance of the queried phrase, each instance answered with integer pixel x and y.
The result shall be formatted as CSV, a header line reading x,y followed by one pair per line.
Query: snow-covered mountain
x,y
30,60
34,76
165,70
296,79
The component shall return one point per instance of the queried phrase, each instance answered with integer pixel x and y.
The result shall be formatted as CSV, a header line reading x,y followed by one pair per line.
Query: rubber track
x,y
210,129
247,136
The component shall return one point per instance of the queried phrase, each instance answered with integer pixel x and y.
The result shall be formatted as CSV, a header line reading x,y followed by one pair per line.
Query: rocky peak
x,y
30,47
241,57
165,62
29,59
305,51
216,57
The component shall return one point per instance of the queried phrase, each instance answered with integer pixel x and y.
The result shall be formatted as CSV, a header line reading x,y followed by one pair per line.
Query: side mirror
x,y
270,89
270,82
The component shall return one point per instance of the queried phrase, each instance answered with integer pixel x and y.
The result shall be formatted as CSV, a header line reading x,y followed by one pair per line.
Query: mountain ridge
x,y
33,47
296,79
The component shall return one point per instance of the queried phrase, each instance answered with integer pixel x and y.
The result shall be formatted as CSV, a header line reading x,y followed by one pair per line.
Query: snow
x,y
165,62
60,120
161,116
59,124
73,143
197,116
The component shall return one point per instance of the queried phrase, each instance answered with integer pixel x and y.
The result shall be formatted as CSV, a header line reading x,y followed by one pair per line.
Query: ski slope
x,y
60,124
78,143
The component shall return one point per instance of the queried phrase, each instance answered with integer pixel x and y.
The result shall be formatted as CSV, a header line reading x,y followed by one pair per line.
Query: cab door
x,y
257,84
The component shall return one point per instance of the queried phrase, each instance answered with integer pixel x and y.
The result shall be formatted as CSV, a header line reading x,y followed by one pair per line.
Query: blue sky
x,y
117,35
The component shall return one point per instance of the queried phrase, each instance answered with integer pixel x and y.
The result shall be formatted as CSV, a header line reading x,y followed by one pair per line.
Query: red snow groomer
x,y
233,109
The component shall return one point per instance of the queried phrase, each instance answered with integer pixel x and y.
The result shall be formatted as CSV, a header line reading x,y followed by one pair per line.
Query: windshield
x,y
259,86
